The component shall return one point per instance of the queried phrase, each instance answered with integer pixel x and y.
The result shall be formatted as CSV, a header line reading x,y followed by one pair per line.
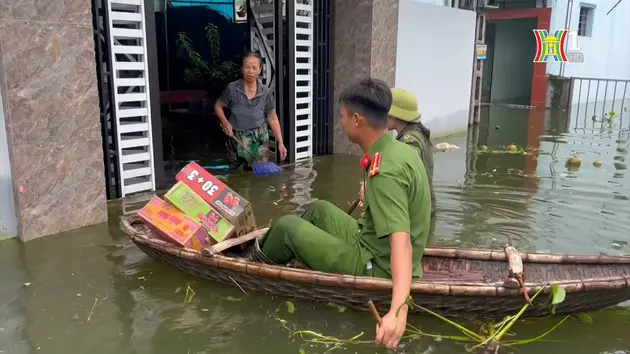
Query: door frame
x,y
539,76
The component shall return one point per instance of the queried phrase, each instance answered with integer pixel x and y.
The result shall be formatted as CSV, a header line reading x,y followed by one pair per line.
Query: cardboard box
x,y
230,204
172,225
191,204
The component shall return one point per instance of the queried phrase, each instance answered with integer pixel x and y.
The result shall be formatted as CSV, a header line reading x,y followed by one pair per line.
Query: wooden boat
x,y
457,282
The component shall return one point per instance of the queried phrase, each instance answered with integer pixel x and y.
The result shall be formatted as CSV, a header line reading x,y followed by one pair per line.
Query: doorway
x,y
508,74
199,47
510,78
157,115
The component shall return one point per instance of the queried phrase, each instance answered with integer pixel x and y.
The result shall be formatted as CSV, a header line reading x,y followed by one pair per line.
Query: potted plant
x,y
214,75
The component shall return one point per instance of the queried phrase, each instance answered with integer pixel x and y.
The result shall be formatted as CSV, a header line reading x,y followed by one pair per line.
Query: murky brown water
x,y
91,291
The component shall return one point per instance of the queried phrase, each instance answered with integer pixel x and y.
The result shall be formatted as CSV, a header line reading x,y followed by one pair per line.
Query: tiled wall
x,y
366,33
49,87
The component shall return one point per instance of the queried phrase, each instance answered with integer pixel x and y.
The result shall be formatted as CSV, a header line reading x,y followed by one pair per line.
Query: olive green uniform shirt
x,y
396,199
414,136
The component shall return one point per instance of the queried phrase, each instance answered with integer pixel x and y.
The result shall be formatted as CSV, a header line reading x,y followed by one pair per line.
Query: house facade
x,y
81,101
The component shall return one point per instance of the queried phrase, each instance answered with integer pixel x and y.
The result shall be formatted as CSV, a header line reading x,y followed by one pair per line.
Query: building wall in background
x,y
434,59
605,45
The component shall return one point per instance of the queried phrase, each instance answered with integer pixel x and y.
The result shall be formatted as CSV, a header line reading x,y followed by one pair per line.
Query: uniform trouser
x,y
325,239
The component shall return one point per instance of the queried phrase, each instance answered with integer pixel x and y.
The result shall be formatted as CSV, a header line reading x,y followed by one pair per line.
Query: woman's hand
x,y
283,152
227,129
392,328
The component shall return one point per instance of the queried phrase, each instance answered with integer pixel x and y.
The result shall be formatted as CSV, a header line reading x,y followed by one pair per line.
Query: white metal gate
x,y
130,78
262,37
302,47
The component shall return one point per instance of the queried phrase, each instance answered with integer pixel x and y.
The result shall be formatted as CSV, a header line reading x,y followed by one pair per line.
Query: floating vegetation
x,y
94,306
233,299
510,149
490,336
339,308
190,293
290,307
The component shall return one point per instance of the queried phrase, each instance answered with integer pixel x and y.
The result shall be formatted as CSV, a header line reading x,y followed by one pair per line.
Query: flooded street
x,y
92,291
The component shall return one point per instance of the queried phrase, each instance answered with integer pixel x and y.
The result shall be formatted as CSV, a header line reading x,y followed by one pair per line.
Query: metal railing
x,y
600,100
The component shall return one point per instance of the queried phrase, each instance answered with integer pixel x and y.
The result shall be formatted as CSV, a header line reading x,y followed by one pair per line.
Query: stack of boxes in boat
x,y
198,211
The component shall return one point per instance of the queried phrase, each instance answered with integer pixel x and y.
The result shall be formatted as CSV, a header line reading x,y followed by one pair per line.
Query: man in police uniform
x,y
389,241
405,119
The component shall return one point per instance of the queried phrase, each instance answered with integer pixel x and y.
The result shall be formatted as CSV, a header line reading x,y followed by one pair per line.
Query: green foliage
x,y
489,336
213,76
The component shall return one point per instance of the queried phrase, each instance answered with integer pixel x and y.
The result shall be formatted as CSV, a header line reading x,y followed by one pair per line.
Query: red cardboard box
x,y
172,225
227,202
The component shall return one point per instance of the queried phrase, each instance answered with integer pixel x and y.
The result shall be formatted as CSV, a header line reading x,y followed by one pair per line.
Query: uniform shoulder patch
x,y
376,165
365,162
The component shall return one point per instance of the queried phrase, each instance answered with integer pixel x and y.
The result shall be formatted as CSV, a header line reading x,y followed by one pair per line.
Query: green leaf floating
x,y
290,307
558,294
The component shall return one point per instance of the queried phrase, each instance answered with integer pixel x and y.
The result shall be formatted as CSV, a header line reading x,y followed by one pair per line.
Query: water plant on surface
x,y
510,149
490,337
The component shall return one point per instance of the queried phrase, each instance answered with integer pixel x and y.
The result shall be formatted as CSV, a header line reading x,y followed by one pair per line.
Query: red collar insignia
x,y
376,165
365,162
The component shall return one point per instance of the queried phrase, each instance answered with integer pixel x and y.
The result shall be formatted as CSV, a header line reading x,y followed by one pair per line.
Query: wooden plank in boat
x,y
224,245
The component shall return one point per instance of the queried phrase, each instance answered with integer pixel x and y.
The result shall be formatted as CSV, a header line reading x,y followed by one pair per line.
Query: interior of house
x,y
509,66
200,44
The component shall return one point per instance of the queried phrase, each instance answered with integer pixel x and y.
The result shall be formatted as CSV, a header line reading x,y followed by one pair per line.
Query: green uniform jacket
x,y
396,199
417,136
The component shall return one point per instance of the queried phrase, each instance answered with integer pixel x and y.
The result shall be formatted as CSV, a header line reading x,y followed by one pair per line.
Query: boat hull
x,y
452,287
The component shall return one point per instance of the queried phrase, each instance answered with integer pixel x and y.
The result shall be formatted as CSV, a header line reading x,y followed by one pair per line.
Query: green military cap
x,y
404,105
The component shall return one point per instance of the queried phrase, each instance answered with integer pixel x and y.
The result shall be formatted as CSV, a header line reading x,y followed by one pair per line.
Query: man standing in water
x,y
405,119
387,242
251,105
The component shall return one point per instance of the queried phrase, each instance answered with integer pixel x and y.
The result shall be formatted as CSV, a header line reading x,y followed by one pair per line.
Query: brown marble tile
x,y
383,63
385,19
49,71
69,11
49,81
353,20
366,34
64,187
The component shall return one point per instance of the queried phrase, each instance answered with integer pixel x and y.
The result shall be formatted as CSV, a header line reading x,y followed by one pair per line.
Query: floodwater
x,y
91,291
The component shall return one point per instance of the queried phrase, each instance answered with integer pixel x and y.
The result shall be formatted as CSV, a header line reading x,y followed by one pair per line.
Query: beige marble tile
x,y
69,11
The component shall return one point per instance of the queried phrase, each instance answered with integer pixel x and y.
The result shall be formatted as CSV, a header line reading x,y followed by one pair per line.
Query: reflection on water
x,y
91,291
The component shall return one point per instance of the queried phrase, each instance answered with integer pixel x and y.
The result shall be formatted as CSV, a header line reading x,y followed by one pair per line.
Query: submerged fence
x,y
600,99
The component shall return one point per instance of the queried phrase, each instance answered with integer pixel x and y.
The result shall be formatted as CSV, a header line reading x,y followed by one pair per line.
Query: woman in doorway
x,y
251,106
